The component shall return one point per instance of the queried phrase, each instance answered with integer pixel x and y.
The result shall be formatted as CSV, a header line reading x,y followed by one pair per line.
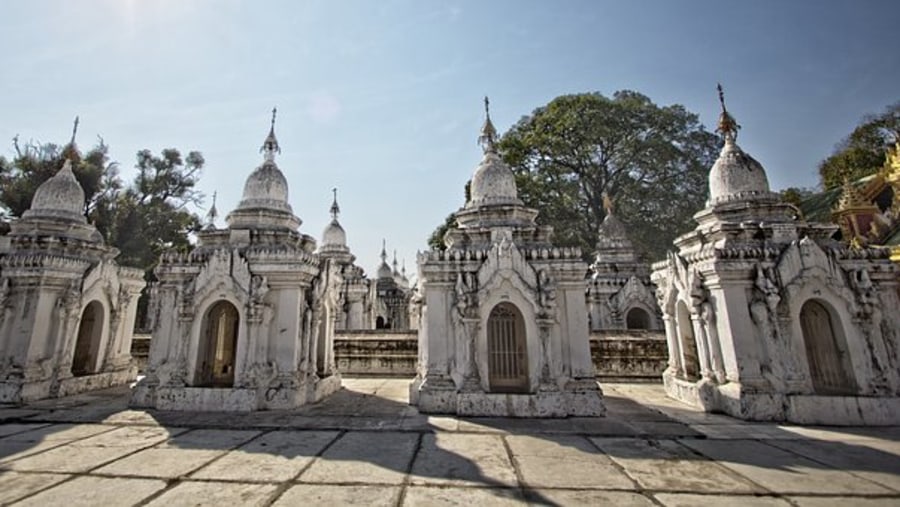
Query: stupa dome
x,y
493,182
334,235
266,187
59,197
736,175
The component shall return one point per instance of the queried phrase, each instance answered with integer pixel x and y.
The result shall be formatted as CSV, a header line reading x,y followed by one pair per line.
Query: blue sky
x,y
382,99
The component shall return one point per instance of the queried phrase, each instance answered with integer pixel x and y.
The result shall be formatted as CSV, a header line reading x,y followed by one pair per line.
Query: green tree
x,y
152,214
651,160
862,152
436,240
796,195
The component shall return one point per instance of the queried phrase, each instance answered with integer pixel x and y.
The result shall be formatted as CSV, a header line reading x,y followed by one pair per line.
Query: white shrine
x,y
504,325
767,318
247,318
67,309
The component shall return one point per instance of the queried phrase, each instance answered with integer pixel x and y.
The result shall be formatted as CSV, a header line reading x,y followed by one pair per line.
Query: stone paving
x,y
366,446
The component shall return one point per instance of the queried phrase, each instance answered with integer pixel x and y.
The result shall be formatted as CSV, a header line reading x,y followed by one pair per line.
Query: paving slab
x,y
93,491
693,500
325,495
463,459
276,456
215,494
662,429
844,501
564,462
59,433
13,428
873,464
209,439
665,465
69,458
13,450
15,485
781,471
165,463
130,436
440,496
364,457
590,497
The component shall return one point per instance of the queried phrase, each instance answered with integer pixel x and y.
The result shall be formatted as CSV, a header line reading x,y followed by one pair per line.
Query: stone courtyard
x,y
365,445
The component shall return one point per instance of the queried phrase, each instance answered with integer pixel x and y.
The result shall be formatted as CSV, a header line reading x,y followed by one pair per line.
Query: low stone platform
x,y
366,446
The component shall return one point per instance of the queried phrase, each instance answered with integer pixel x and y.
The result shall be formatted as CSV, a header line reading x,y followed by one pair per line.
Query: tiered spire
x,y
488,137
727,124
212,214
851,198
335,209
270,145
383,251
74,131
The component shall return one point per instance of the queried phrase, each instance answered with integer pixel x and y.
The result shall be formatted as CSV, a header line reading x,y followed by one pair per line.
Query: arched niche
x,y
382,323
637,318
217,351
690,358
87,344
827,354
507,350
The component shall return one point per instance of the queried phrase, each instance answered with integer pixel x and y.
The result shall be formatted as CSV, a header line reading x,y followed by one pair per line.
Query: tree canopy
x,y
862,152
652,161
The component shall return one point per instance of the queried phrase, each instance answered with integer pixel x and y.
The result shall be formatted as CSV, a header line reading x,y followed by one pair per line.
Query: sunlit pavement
x,y
366,445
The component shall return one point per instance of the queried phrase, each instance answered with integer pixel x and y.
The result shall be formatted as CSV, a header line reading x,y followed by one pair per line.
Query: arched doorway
x,y
826,350
506,347
381,323
690,358
87,345
218,346
637,318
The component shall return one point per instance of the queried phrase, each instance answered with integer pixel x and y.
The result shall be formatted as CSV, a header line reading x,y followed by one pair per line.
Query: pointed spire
x,y
270,145
212,214
395,264
335,209
74,132
488,137
727,124
383,251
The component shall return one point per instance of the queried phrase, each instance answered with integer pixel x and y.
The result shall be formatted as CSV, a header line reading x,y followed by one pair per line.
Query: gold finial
x,y
335,209
488,137
608,204
727,124
74,131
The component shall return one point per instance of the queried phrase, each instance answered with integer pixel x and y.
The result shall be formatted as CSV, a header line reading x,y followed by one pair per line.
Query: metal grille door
x,y
507,364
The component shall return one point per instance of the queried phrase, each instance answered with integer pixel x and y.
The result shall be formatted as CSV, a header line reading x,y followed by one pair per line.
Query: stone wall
x,y
629,355
376,352
617,355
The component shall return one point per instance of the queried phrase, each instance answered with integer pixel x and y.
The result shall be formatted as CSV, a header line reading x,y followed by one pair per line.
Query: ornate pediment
x,y
224,270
